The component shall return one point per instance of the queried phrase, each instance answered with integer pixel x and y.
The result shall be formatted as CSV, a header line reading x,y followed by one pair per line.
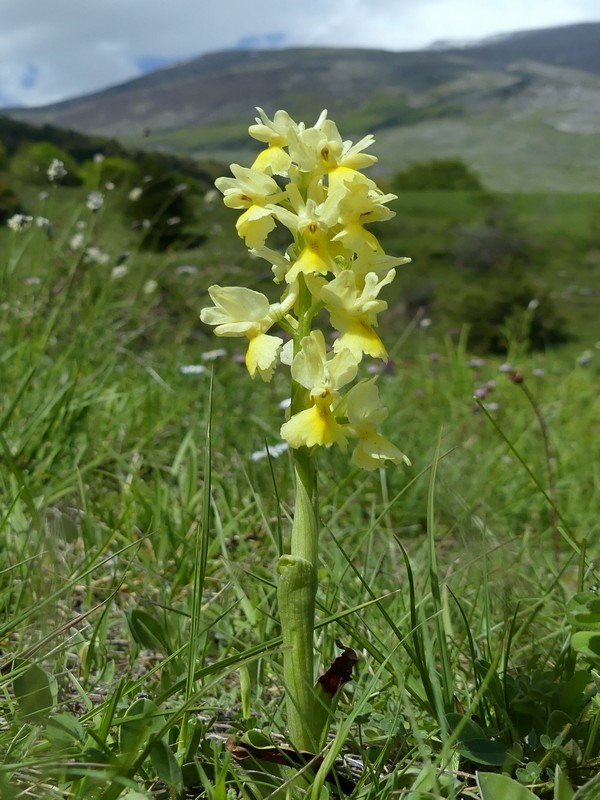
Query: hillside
x,y
523,110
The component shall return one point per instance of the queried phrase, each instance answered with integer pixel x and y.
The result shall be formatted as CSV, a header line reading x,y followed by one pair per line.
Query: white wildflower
x,y
118,272
19,222
150,286
213,355
192,369
272,450
93,255
94,201
76,241
56,171
135,194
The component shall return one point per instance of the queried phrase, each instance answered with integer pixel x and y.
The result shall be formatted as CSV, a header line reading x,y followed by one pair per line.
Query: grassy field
x,y
139,533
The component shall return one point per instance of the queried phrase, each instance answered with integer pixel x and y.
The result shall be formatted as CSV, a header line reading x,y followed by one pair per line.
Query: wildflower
x,y
492,407
118,272
56,171
42,222
243,312
192,369
365,412
271,450
211,196
94,201
253,191
76,241
135,194
585,359
476,363
353,312
150,286
19,222
93,255
98,158
213,355
186,269
332,261
276,133
505,367
109,186
322,375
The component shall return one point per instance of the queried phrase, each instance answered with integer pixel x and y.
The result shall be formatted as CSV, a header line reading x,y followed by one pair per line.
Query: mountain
x,y
522,109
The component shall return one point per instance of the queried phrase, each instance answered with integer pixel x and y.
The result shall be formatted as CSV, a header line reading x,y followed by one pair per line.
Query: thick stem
x,y
296,594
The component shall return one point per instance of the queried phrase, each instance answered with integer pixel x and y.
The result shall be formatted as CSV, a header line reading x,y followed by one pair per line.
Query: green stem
x,y
297,590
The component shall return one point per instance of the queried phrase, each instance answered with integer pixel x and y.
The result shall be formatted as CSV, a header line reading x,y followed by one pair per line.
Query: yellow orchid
x,y
239,311
354,205
251,190
330,261
273,159
353,312
322,375
316,251
364,412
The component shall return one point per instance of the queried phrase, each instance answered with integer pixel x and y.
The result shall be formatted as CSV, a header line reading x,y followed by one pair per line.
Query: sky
x,y
51,50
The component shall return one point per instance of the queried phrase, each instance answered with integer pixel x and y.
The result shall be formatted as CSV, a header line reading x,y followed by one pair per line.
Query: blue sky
x,y
50,51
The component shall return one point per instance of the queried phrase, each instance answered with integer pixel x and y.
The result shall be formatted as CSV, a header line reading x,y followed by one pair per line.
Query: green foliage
x,y
442,174
505,309
162,211
106,503
123,172
31,161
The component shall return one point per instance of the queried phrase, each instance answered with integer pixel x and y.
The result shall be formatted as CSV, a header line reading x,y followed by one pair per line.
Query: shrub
x,y
504,307
162,210
450,174
123,172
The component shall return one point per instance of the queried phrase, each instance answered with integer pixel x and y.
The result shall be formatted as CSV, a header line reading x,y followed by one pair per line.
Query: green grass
x,y
116,553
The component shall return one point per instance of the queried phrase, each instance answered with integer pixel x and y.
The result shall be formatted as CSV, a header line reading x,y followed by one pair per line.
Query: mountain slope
x,y
524,109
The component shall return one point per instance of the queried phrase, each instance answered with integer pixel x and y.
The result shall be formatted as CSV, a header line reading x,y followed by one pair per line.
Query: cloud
x,y
51,51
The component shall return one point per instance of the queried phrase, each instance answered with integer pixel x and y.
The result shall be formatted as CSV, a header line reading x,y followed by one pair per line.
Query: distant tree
x,y
31,161
447,174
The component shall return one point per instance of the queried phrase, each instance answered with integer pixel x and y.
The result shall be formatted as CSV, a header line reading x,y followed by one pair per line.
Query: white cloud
x,y
50,51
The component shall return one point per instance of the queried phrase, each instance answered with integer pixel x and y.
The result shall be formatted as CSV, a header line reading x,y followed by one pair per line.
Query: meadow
x,y
141,519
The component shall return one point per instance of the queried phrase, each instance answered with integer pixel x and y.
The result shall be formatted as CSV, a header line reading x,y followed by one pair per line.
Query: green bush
x,y
123,172
31,161
504,308
162,211
450,174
